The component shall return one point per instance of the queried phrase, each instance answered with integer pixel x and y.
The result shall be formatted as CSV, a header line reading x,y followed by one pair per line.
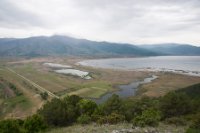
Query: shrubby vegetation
x,y
32,124
149,117
178,108
44,95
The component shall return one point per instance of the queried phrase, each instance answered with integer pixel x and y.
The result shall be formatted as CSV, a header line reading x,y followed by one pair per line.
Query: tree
x,y
195,127
44,95
150,117
175,104
34,124
10,126
113,104
87,106
84,119
135,107
58,113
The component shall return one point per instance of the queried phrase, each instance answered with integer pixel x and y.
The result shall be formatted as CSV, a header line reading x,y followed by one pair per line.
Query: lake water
x,y
189,65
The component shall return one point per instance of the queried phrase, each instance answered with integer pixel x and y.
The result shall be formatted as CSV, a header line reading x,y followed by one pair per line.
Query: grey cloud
x,y
140,21
12,16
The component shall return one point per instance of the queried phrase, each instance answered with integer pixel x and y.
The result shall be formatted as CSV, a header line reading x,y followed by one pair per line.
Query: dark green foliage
x,y
113,104
73,99
175,104
150,117
113,118
84,119
192,91
44,95
98,113
178,121
87,106
133,108
176,108
58,113
11,125
195,127
193,130
61,112
34,124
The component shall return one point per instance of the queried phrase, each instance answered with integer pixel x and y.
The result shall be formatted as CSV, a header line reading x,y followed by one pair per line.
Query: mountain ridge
x,y
65,45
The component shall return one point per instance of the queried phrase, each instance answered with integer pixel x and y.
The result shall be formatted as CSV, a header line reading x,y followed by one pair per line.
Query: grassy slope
x,y
20,106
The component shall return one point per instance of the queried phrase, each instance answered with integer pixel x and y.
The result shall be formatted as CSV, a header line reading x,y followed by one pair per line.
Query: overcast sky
x,y
130,21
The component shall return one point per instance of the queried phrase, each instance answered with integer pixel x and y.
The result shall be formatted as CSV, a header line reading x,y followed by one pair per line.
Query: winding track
x,y
34,84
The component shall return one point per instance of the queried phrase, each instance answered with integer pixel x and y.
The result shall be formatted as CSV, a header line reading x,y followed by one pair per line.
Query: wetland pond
x,y
125,90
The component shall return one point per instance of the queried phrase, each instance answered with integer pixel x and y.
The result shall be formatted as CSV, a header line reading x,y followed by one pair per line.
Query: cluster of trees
x,y
174,108
31,124
179,108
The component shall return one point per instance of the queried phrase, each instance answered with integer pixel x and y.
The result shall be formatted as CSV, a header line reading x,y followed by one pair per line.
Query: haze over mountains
x,y
63,45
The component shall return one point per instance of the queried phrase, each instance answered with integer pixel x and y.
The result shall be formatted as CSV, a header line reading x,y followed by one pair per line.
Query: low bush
x,y
150,117
34,124
11,125
195,127
178,121
84,119
113,118
44,95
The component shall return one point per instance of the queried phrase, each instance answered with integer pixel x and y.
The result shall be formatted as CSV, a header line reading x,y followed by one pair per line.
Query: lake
x,y
189,65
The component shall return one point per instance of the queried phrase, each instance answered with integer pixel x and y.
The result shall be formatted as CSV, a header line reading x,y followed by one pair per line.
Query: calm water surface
x,y
181,64
189,65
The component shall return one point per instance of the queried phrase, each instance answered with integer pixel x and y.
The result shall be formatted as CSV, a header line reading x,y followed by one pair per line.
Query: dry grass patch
x,y
167,82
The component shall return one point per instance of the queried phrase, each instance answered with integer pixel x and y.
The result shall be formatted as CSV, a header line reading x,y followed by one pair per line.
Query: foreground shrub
x,y
175,104
87,106
150,117
11,125
113,104
34,124
84,119
58,113
113,118
195,127
178,121
135,107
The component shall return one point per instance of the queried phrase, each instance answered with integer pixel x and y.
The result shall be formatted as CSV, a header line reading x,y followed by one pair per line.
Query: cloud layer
x,y
131,21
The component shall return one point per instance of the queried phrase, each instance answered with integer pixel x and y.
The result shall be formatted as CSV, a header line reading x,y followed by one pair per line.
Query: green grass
x,y
92,92
62,84
20,101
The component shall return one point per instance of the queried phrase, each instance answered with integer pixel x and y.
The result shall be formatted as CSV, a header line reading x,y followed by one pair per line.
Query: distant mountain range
x,y
63,45
173,49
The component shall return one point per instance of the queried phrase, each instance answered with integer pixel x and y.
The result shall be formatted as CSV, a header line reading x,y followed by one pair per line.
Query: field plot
x,y
19,102
102,81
